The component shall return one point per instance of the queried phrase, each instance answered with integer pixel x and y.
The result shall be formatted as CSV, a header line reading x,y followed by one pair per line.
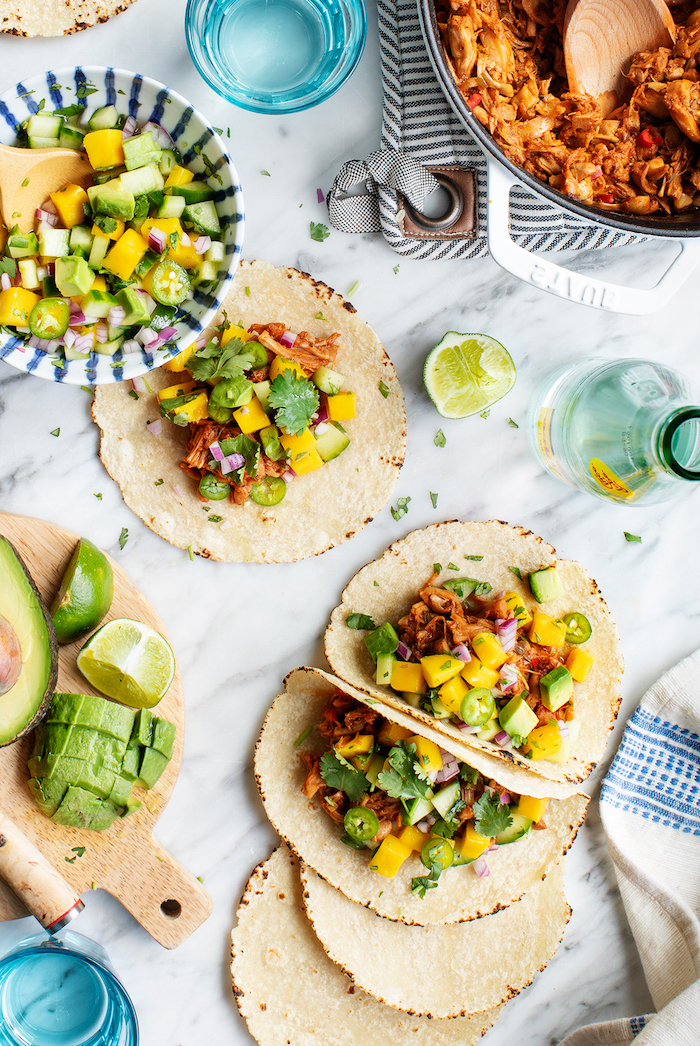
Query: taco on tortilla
x,y
50,18
478,630
384,811
277,434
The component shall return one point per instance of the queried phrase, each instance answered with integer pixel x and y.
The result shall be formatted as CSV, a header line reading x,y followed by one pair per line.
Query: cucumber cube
x,y
332,440
142,180
445,799
71,138
171,207
105,118
22,244
54,243
80,236
140,151
203,216
28,272
44,125
327,380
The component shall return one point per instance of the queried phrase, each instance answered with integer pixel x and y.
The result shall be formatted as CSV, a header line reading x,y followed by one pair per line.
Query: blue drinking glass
x,y
62,992
276,56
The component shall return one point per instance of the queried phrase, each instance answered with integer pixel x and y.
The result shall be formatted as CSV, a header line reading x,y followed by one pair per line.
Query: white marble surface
x,y
214,823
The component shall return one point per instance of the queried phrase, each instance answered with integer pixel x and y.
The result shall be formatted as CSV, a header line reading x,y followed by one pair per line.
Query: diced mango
x,y
579,663
356,745
410,836
531,808
251,417
99,284
296,444
184,255
488,649
280,364
542,742
427,753
516,603
477,674
438,668
407,676
452,693
473,844
104,148
178,176
97,231
176,390
307,461
179,362
126,253
195,410
69,203
341,407
546,630
234,331
392,732
390,856
15,305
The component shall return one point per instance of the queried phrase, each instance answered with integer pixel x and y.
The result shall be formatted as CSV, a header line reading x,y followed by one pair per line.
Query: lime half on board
x,y
466,373
128,661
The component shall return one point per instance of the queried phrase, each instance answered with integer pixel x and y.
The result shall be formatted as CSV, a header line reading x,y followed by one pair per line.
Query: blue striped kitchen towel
x,y
650,809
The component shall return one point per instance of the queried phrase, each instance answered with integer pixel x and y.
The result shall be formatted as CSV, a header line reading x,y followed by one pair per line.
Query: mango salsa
x,y
407,677
412,837
579,663
546,630
531,808
477,674
251,417
15,305
179,363
104,148
280,364
361,743
427,753
438,668
390,856
452,693
543,742
473,844
391,733
515,603
488,649
126,254
341,407
69,201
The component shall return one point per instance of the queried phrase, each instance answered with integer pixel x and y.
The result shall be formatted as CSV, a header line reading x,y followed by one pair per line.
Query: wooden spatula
x,y
600,37
27,176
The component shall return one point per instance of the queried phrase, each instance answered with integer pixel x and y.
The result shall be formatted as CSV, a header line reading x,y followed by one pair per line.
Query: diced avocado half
x,y
24,704
545,584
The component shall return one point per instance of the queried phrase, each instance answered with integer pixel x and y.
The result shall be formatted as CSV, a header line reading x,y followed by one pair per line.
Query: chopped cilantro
x,y
396,270
85,90
134,395
71,860
451,566
25,182
360,621
266,173
516,571
491,816
294,400
215,519
437,568
632,537
69,110
513,424
440,439
320,316
56,432
98,496
475,559
216,361
8,265
405,779
338,773
88,388
247,292
433,498
79,850
123,537
376,584
318,231
158,483
401,508
384,389
485,414
482,589
302,736
445,665
218,130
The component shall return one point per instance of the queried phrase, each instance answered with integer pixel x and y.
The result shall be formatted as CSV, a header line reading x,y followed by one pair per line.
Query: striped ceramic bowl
x,y
144,99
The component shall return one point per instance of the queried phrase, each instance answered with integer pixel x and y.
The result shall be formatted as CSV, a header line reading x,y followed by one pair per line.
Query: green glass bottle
x,y
624,430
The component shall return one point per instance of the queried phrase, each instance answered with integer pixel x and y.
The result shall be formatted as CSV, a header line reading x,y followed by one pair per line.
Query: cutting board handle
x,y
45,892
158,891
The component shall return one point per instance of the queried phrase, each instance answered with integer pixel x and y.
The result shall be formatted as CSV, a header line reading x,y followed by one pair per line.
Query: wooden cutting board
x,y
125,860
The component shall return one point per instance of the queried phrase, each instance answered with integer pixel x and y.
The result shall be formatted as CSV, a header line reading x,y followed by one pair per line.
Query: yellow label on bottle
x,y
606,478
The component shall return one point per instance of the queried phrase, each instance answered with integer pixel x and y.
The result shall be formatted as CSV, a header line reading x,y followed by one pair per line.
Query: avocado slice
x,y
47,794
82,809
545,584
25,703
517,718
152,766
556,688
163,737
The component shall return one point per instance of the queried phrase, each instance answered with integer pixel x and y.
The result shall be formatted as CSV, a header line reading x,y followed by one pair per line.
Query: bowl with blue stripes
x,y
203,151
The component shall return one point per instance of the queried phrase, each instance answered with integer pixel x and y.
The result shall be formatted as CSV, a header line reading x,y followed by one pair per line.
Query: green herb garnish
x,y
123,537
433,498
632,537
491,817
318,231
513,424
440,439
384,389
360,621
401,508
294,400
516,571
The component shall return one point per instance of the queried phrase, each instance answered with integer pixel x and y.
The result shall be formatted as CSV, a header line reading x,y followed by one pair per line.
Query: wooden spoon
x,y
600,37
44,171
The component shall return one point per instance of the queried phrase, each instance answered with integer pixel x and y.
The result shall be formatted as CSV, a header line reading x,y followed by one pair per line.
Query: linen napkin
x,y
650,809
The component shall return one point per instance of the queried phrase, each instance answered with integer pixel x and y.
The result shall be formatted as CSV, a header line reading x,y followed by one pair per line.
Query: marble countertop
x,y
214,823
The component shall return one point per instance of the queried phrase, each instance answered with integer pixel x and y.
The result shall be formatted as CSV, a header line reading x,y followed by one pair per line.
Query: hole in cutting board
x,y
173,909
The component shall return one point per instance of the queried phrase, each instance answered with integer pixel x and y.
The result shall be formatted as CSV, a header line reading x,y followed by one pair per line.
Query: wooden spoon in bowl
x,y
600,37
44,171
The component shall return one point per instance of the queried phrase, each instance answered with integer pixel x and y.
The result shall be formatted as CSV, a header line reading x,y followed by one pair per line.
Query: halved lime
x,y
128,661
85,594
466,373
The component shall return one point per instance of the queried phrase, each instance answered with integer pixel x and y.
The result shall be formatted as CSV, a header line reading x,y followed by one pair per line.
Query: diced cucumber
x,y
105,118
44,125
71,354
115,333
327,380
203,216
385,665
194,192
262,391
520,827
146,264
140,151
142,180
102,177
171,207
108,348
439,710
71,138
445,799
416,809
411,699
331,441
48,287
98,251
98,303
27,270
216,253
80,236
488,732
168,160
206,272
43,143
54,243
21,244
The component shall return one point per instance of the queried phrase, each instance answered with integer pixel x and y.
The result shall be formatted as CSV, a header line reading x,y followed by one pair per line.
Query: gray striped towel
x,y
420,128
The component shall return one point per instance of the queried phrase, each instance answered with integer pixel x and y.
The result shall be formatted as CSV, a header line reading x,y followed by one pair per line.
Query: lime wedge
x,y
128,661
466,373
85,594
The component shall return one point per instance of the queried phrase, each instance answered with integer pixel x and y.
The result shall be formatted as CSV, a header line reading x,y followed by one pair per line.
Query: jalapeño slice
x,y
212,488
49,318
170,283
439,852
361,824
478,707
578,628
269,491
259,354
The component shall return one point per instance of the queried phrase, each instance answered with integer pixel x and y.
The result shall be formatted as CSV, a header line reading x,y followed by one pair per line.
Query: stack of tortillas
x,y
312,966
56,17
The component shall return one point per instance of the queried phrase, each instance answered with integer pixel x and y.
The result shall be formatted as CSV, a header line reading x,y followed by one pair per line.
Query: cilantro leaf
x,y
384,389
69,110
294,400
440,438
339,773
405,779
491,816
477,559
516,571
318,231
433,498
216,361
359,621
513,424
482,589
421,883
401,508
632,537
123,537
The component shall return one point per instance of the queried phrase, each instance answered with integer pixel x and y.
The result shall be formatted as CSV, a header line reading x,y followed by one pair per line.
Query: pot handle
x,y
585,290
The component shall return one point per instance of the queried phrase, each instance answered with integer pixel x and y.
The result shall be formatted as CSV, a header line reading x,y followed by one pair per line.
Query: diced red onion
x,y
288,339
49,205
129,127
216,452
231,463
423,826
38,343
201,244
403,651
139,384
167,333
432,775
101,333
115,316
450,770
46,216
73,307
157,239
461,652
131,345
5,282
148,337
78,319
83,343
563,729
51,268
322,414
176,490
506,629
288,476
466,729
430,820
491,849
481,867
504,799
160,135
503,739
69,337
185,240
509,677
501,594
154,427
201,341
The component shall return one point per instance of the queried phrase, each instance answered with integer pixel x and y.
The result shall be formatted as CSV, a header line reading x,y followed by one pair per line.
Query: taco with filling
x,y
277,434
385,811
479,631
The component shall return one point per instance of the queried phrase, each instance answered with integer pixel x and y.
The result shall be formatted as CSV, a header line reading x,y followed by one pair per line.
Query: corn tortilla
x,y
289,991
312,835
321,509
407,565
440,971
56,17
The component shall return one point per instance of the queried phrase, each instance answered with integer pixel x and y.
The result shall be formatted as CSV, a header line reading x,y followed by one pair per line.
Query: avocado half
x,y
25,703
